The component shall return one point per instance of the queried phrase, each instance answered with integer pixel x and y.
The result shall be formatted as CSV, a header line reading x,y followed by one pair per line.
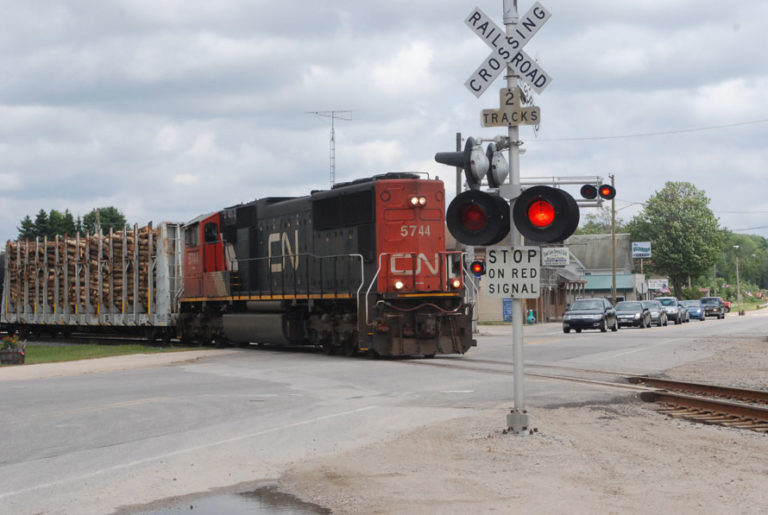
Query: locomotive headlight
x,y
420,201
455,284
399,285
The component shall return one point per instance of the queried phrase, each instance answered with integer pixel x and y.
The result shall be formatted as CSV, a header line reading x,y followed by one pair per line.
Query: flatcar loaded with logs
x,y
128,281
362,267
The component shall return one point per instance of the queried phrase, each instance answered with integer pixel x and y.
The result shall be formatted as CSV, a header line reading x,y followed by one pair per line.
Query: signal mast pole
x,y
517,419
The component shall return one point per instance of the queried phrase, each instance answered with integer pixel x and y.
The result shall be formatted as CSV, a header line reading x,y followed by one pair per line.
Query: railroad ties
x,y
709,404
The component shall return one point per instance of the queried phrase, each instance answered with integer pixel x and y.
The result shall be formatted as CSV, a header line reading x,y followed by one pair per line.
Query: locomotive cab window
x,y
191,236
211,232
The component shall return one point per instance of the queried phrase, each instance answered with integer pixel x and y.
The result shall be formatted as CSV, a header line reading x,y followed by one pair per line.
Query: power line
x,y
750,228
660,133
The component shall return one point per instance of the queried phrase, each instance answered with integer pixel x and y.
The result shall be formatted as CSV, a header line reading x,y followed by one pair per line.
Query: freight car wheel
x,y
150,334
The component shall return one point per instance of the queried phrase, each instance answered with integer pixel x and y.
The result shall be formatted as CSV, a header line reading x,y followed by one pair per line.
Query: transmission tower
x,y
334,115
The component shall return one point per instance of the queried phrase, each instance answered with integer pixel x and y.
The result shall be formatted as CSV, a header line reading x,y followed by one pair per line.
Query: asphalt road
x,y
90,443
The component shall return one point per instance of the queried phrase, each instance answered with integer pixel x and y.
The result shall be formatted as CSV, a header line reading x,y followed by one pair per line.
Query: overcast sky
x,y
168,109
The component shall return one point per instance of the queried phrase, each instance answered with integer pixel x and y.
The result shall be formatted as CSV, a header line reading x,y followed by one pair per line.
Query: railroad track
x,y
709,404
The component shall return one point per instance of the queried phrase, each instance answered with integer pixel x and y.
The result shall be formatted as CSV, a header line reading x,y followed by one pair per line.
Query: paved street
x,y
89,443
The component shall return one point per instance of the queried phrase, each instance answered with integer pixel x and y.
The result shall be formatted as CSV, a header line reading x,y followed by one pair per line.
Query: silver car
x,y
675,311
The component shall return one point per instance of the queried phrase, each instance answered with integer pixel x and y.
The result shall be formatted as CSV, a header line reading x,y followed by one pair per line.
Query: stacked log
x,y
95,270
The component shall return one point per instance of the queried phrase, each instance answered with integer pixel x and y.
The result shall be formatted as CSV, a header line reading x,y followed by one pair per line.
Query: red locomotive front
x,y
410,237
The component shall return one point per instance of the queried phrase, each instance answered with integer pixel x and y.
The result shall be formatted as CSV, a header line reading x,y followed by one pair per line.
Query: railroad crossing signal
x,y
606,191
541,213
510,113
478,218
508,50
477,268
545,214
477,164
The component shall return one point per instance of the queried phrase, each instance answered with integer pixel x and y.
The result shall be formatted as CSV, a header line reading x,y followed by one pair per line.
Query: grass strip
x,y
73,352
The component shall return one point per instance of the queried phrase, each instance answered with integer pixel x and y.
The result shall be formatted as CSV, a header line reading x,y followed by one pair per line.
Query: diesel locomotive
x,y
362,267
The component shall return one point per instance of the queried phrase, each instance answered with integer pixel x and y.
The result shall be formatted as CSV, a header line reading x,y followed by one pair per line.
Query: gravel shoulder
x,y
621,457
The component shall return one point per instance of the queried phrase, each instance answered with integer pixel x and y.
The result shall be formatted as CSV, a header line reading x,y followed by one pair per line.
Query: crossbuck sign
x,y
508,50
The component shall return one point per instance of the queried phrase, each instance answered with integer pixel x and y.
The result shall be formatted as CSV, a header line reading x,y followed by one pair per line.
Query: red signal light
x,y
588,191
473,217
607,192
477,218
545,214
541,213
477,268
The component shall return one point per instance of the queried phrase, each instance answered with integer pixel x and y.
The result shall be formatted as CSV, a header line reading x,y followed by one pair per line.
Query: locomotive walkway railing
x,y
302,275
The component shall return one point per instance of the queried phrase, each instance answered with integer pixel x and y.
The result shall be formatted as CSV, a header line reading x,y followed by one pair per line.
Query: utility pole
x,y
738,286
613,240
333,115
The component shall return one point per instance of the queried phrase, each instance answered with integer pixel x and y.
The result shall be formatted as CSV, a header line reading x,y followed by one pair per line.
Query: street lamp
x,y
738,283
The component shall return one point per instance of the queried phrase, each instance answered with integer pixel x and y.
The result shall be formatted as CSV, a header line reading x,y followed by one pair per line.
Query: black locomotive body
x,y
360,267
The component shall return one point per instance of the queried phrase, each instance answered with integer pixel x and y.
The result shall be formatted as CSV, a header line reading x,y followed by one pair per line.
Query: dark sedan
x,y
713,307
633,313
658,313
590,314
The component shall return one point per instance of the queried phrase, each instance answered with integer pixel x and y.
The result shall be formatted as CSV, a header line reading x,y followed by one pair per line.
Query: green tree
x,y
68,223
55,224
599,222
27,229
683,232
42,225
108,217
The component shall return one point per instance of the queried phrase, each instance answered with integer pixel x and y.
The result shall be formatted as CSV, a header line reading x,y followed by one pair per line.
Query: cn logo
x,y
286,250
402,264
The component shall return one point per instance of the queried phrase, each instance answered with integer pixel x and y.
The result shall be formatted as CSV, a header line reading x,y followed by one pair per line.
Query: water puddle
x,y
267,500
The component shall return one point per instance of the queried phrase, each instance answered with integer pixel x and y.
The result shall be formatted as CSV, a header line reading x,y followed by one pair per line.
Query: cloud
x,y
168,109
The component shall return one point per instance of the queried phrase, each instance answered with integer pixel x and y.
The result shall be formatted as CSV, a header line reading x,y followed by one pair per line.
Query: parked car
x,y
695,309
633,313
658,313
590,314
675,311
713,306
